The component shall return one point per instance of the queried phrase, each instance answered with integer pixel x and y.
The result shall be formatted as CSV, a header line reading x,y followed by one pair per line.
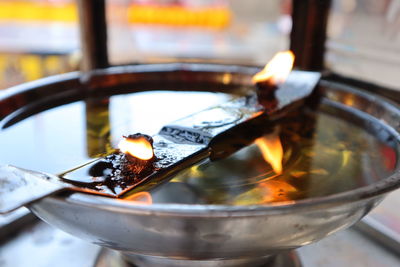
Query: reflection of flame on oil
x,y
139,147
143,198
266,193
277,70
271,148
276,190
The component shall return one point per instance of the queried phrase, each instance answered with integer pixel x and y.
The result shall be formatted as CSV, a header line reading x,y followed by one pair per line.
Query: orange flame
x,y
139,147
272,151
277,70
141,198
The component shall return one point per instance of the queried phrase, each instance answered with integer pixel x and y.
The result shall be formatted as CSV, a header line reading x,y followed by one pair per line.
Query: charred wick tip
x,y
120,170
266,94
133,165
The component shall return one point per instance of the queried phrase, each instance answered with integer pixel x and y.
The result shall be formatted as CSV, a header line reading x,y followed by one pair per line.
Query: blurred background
x,y
41,37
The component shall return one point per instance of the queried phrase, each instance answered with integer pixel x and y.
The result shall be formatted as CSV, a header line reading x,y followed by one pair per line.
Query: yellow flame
x,y
277,70
139,147
272,151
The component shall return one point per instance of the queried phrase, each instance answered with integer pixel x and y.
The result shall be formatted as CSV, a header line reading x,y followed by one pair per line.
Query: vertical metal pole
x,y
308,36
93,31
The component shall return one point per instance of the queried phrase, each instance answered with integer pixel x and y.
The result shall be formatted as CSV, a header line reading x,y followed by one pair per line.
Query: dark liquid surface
x,y
323,154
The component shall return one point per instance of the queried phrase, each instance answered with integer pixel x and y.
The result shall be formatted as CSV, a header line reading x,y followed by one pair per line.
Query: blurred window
x,y
41,37
364,40
227,31
37,38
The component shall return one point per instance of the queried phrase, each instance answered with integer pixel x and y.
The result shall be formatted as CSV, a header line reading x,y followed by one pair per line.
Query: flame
x,y
277,70
139,147
141,198
272,151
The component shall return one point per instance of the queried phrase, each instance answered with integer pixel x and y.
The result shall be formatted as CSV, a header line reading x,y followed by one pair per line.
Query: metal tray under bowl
x,y
197,235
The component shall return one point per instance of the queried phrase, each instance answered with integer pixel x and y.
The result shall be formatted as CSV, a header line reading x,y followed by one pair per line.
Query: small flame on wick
x,y
272,151
277,70
137,147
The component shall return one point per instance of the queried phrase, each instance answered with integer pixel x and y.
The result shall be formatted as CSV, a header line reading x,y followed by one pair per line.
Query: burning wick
x,y
277,70
130,165
273,75
138,151
138,146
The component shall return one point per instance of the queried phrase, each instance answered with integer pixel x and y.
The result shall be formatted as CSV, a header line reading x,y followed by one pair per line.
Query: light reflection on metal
x,y
143,198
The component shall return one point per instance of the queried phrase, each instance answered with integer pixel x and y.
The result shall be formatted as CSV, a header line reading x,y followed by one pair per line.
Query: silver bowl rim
x,y
377,189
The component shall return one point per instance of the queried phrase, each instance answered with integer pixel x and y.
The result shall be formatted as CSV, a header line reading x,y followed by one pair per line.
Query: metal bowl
x,y
198,235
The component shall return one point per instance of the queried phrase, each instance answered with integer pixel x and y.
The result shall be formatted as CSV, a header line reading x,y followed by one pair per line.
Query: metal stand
x,y
307,39
109,257
93,30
